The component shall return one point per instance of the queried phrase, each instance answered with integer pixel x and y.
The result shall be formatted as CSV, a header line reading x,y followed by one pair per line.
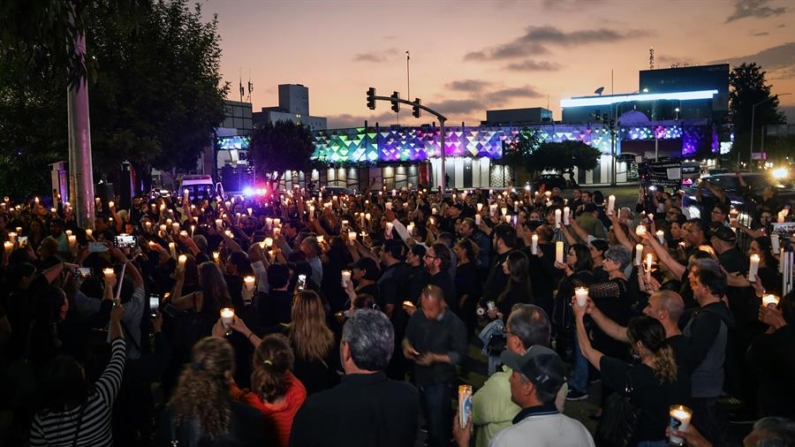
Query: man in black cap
x,y
536,377
365,273
724,241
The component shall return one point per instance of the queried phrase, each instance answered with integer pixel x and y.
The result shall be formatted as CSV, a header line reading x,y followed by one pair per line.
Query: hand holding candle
x,y
534,245
680,420
346,277
559,251
754,268
227,317
581,294
611,205
770,301
639,254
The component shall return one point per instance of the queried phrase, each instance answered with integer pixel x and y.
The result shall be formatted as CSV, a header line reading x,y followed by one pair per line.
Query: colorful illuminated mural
x,y
408,144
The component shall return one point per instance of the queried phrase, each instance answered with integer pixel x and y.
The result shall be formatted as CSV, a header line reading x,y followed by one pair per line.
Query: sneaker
x,y
576,395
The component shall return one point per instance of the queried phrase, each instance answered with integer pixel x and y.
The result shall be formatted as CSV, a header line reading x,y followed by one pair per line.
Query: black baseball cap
x,y
724,233
539,364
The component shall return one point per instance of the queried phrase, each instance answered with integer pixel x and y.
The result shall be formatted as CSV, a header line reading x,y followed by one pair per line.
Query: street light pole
x,y
753,119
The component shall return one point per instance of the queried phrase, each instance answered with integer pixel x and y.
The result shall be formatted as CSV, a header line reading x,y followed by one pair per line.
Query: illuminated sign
x,y
235,142
608,100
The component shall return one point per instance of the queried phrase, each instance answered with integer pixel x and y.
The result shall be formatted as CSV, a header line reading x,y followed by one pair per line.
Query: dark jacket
x,y
366,410
444,336
708,334
248,427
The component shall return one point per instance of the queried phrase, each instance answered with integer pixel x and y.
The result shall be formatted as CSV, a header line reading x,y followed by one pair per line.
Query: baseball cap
x,y
371,270
589,208
724,233
539,364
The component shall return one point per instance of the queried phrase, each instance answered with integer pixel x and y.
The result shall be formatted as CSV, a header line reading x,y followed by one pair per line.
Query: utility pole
x,y
81,172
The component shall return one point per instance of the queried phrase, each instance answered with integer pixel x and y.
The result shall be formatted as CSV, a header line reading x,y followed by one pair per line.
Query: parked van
x,y
198,186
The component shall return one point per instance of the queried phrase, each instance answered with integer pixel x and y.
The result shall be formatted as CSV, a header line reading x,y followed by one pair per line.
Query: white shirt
x,y
544,430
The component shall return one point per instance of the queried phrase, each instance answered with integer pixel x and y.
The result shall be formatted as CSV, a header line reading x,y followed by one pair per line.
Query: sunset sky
x,y
468,56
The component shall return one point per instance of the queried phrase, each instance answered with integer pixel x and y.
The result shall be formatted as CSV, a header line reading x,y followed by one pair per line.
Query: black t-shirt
x,y
652,397
733,261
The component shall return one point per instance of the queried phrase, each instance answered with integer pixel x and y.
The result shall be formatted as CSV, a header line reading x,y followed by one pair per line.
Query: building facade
x,y
293,106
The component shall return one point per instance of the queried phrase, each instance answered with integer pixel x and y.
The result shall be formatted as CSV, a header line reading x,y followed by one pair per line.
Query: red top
x,y
280,415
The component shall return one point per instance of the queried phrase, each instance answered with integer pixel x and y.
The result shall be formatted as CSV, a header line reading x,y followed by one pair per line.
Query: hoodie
x,y
708,333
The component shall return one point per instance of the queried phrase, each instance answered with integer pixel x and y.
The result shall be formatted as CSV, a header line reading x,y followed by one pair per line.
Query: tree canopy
x,y
280,147
564,157
748,87
155,87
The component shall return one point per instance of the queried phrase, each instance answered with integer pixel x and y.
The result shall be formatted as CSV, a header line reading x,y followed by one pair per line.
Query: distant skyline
x,y
469,56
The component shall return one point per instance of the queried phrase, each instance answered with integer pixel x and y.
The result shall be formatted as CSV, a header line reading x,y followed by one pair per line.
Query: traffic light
x,y
371,98
416,112
395,104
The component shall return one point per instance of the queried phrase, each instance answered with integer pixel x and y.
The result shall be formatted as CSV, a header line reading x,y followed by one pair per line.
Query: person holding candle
x,y
653,385
772,360
467,282
590,223
767,274
316,359
578,272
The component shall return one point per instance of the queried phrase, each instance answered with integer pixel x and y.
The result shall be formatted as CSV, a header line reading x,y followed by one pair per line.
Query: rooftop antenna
x,y
242,90
651,58
250,85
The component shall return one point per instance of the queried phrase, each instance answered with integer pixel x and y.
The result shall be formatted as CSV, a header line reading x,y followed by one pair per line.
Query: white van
x,y
198,186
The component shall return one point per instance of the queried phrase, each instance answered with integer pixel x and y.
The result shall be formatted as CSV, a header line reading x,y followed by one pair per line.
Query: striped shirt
x,y
58,428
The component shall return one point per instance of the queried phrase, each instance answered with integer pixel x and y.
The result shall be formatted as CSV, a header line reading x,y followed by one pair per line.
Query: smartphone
x,y
301,285
154,304
125,241
97,247
83,273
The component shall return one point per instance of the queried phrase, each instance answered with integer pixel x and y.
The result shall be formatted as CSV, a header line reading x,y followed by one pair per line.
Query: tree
x,y
276,148
526,142
158,94
564,157
748,88
156,90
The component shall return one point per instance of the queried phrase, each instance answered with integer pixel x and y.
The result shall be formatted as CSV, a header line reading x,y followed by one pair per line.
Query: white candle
x,y
648,267
515,207
389,227
394,193
67,232
478,219
661,236
557,218
581,293
216,257
346,277
175,227
163,228
181,260
504,211
410,228
388,206
108,272
72,241
320,238
566,214
775,242
169,222
8,246
640,230
311,212
534,245
754,269
770,301
251,211
185,194
611,204
12,237
638,254
493,209
367,216
227,316
219,223
172,247
352,237
480,207
277,222
559,251
680,421
268,222
90,232
183,233
277,231
249,282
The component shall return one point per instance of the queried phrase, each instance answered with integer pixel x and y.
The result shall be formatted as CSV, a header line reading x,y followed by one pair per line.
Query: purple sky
x,y
468,56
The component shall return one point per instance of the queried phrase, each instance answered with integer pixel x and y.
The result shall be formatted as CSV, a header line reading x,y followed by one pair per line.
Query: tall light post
x,y
753,122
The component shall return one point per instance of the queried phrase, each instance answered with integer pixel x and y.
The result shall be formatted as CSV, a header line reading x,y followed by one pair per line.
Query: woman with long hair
x,y
313,343
518,289
578,272
201,411
768,264
74,412
212,296
656,382
598,249
275,391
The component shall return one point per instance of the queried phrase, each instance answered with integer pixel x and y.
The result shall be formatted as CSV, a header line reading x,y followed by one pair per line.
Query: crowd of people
x,y
324,320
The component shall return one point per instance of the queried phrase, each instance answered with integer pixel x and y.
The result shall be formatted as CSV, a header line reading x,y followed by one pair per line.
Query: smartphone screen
x,y
301,282
154,304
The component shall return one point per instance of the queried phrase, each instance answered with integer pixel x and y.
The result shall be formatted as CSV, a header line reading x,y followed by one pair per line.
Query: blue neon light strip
x,y
608,100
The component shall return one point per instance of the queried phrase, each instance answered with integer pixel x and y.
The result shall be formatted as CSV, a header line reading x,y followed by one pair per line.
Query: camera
x,y
125,241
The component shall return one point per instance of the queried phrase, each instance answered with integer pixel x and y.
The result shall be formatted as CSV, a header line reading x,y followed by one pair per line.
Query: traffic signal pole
x,y
417,106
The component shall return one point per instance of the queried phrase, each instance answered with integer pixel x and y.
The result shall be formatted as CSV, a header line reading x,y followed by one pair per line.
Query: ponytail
x,y
272,359
665,368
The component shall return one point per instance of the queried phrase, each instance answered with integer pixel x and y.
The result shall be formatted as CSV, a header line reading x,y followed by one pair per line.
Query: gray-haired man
x,y
367,408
